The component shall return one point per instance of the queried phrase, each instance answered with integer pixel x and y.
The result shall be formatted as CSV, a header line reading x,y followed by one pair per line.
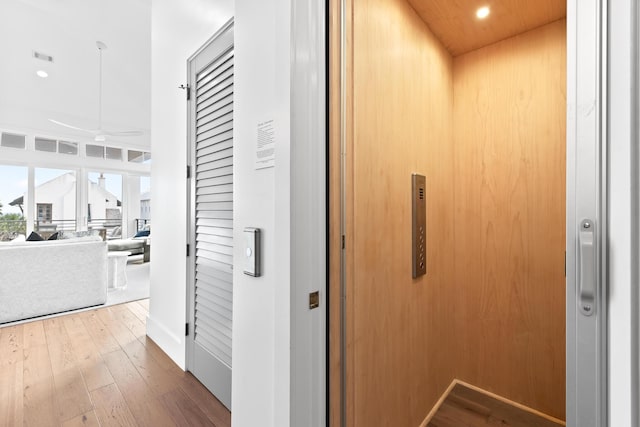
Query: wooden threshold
x,y
471,406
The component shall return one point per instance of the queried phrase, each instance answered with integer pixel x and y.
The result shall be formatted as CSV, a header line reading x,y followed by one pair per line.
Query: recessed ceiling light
x,y
42,73
483,12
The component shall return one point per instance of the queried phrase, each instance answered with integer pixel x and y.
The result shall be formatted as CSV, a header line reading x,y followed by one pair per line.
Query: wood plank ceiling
x,y
454,22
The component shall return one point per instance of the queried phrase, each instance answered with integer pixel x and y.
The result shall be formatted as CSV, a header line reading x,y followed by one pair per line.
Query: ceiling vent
x,y
42,56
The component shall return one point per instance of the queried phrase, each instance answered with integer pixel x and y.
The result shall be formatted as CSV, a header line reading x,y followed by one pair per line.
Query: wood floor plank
x,y
71,392
130,320
90,362
85,420
116,326
160,356
140,399
60,348
212,407
449,416
11,376
183,410
144,303
159,380
103,339
126,376
153,374
40,405
111,408
140,312
34,335
151,413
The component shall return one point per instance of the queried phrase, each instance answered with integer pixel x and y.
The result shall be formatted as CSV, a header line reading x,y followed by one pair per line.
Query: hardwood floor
x,y
97,368
464,406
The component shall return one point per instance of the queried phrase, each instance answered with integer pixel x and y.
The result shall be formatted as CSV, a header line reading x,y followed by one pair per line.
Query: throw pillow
x,y
34,237
54,236
116,232
143,233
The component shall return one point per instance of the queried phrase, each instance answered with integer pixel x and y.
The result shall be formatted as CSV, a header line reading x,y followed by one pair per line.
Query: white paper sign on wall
x,y
265,145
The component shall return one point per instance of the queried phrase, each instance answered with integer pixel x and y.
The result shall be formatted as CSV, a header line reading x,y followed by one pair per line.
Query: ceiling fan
x,y
100,134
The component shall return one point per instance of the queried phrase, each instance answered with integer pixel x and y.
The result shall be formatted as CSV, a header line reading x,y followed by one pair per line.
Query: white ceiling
x,y
68,30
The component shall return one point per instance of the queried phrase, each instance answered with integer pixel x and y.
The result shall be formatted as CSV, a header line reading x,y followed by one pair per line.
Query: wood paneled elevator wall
x,y
487,130
509,138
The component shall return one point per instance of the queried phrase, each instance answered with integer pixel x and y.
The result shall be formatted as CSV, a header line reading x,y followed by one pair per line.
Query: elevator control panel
x,y
419,225
252,251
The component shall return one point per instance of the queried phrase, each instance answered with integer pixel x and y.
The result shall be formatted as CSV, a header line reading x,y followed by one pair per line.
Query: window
x,y
12,140
134,156
13,187
49,145
145,198
66,147
45,213
105,201
113,153
110,153
56,189
95,151
53,146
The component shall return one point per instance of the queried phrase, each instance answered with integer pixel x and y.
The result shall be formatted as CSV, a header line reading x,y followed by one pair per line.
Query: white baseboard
x,y
174,346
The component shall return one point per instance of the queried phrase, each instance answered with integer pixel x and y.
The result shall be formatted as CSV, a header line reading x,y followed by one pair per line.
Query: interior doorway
x,y
479,108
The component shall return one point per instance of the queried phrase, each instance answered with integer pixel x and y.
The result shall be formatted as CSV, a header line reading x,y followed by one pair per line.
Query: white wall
x,y
178,29
279,75
264,356
261,308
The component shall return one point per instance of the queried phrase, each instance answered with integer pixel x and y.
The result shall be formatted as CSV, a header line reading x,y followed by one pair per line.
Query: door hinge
x,y
343,244
188,249
188,89
188,171
565,263
186,329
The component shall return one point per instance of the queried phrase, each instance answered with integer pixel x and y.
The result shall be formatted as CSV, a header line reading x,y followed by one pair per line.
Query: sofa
x,y
51,276
136,245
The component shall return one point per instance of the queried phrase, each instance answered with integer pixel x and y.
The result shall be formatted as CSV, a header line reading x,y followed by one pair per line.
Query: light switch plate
x,y
252,251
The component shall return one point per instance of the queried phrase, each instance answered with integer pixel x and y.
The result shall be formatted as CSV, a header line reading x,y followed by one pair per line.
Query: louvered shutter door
x,y
214,207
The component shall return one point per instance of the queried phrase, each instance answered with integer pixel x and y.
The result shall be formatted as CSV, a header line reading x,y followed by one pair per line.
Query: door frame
x,y
587,40
623,210
309,214
587,168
